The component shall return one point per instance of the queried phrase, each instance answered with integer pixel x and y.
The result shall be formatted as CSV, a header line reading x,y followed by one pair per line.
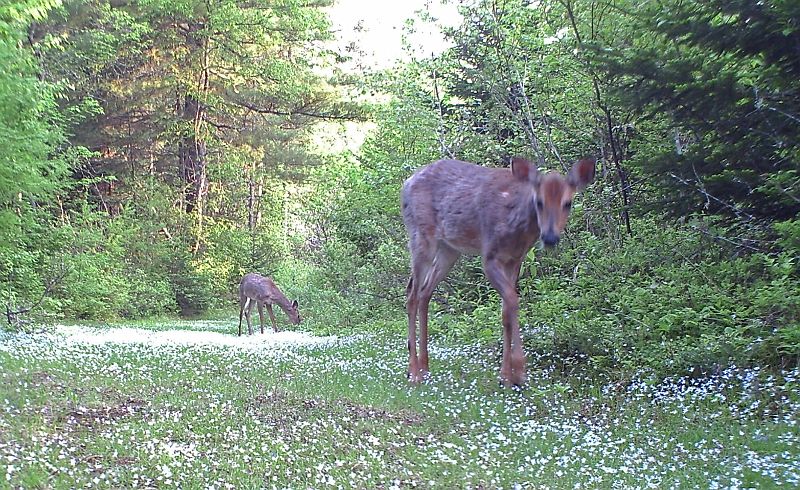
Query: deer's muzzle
x,y
550,239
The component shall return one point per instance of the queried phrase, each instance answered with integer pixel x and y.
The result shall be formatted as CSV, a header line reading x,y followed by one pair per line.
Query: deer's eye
x,y
568,205
539,204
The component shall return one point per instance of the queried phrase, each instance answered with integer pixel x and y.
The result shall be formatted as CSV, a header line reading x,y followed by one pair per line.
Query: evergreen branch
x,y
299,112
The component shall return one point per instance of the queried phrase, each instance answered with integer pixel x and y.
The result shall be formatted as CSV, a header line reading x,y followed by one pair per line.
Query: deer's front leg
x,y
261,317
518,375
424,305
272,318
504,278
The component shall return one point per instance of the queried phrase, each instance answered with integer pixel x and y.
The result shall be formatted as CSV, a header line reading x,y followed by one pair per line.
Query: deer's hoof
x,y
414,378
517,385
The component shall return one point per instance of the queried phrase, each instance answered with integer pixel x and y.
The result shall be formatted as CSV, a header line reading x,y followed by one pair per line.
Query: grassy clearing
x,y
146,409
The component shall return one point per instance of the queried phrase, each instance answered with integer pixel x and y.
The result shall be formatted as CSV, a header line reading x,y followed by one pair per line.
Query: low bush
x,y
669,300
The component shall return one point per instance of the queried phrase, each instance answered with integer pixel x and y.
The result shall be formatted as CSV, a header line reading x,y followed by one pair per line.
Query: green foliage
x,y
90,291
238,83
666,301
359,244
789,235
197,288
724,73
510,86
31,167
325,306
103,278
135,84
27,116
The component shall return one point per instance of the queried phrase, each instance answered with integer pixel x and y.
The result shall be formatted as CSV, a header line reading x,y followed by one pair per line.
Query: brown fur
x,y
263,290
452,208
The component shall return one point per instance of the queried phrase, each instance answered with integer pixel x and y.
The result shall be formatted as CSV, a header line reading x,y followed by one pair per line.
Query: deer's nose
x,y
550,239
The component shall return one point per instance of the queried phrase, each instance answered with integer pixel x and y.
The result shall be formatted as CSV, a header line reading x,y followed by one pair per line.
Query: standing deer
x,y
262,290
452,208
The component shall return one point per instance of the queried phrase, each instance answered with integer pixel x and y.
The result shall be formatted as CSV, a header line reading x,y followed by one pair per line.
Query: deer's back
x,y
462,204
256,286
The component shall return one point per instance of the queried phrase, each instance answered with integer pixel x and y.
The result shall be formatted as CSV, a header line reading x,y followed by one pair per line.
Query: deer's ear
x,y
582,173
294,304
524,170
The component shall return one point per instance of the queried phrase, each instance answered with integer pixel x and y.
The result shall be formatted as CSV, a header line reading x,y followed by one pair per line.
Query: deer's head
x,y
553,193
294,313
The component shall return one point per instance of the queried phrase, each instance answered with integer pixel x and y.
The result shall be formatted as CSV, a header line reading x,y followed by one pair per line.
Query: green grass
x,y
341,415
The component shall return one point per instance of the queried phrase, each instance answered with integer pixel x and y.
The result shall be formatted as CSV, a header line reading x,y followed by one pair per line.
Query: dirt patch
x,y
85,417
124,461
367,412
277,405
268,398
43,379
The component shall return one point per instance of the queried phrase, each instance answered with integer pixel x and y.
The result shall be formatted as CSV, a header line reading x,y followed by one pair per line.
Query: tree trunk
x,y
191,109
608,123
192,155
192,152
251,214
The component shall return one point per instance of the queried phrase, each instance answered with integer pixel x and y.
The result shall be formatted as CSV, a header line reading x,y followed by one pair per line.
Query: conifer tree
x,y
724,74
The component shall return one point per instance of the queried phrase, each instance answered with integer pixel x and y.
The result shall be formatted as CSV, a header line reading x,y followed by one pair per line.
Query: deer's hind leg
x,y
442,263
247,312
412,304
242,302
427,270
421,262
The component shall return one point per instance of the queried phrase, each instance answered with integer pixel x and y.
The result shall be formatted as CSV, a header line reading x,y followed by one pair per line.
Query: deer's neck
x,y
522,217
282,301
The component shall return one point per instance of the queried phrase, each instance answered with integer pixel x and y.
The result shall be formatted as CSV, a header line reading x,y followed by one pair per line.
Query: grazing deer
x,y
452,208
262,290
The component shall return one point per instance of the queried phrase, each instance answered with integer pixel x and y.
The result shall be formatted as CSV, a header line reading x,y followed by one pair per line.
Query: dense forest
x,y
154,152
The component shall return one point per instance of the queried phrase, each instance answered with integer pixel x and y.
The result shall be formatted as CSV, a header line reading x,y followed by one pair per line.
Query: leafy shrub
x,y
92,289
150,295
668,300
341,293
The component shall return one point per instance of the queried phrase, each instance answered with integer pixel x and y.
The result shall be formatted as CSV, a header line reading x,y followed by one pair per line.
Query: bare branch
x,y
440,133
300,111
12,316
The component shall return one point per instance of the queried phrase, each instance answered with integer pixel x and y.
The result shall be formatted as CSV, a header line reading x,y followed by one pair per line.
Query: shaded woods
x,y
154,152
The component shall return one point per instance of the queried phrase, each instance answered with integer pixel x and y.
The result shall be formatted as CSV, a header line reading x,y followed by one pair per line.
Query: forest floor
x,y
191,405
